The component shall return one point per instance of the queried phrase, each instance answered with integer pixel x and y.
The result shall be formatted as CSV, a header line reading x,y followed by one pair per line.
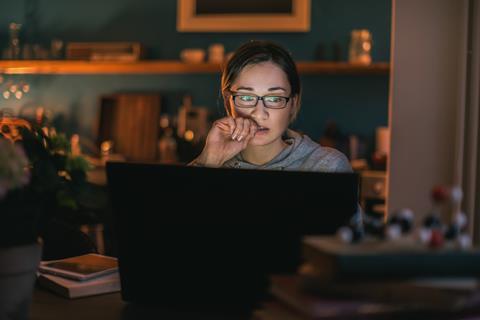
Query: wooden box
x,y
105,51
131,121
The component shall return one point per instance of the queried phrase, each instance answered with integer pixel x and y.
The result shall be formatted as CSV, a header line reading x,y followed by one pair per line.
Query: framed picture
x,y
243,15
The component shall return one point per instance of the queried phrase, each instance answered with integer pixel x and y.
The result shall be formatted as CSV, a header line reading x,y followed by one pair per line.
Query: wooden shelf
x,y
379,68
168,67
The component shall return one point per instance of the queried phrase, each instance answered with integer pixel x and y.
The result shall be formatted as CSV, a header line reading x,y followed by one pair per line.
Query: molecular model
x,y
431,233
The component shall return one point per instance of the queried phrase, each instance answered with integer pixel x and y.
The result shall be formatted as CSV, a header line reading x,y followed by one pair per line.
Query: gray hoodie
x,y
301,154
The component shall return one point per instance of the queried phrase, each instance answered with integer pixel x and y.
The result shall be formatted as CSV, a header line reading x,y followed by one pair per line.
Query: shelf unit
x,y
69,67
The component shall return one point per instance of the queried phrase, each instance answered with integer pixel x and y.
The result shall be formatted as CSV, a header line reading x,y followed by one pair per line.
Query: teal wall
x,y
357,103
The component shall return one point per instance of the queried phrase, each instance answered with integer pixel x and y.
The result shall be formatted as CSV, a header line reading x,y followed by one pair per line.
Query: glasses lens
x,y
245,100
274,102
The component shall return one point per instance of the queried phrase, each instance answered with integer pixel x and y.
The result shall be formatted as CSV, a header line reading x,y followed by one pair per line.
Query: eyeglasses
x,y
251,101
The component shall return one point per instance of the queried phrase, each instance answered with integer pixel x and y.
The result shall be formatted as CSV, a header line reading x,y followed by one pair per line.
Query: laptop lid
x,y
185,231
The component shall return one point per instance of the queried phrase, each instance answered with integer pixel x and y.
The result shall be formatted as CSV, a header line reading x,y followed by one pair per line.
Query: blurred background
x,y
335,106
137,80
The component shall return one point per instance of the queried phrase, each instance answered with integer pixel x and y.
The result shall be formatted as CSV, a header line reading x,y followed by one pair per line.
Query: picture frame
x,y
243,16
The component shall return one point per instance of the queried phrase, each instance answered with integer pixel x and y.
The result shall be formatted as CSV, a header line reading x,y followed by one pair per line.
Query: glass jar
x,y
360,47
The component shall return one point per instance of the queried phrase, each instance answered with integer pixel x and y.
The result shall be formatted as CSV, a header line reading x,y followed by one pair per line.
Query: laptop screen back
x,y
185,231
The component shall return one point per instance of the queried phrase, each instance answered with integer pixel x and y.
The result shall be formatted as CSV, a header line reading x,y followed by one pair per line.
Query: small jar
x,y
216,53
360,47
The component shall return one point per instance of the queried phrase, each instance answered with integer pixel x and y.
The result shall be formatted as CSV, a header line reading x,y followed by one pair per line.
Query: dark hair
x,y
255,52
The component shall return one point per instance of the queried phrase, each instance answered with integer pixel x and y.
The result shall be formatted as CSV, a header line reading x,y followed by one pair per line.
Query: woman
x,y
261,91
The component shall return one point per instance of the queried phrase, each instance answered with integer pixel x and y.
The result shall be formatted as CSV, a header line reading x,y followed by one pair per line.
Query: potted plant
x,y
40,182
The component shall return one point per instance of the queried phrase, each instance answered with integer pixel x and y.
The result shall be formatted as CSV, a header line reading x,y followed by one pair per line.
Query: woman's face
x,y
263,79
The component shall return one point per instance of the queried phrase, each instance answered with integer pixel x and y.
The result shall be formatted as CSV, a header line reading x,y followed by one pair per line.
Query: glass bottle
x,y
14,42
167,145
360,47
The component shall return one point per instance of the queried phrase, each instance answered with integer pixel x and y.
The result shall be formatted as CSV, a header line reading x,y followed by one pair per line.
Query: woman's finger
x,y
222,125
231,124
226,124
253,125
238,128
253,130
247,124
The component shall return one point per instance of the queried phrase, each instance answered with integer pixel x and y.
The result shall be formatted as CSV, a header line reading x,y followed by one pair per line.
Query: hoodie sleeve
x,y
342,163
327,159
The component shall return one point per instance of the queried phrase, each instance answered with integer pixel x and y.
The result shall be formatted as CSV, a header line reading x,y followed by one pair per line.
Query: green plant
x,y
53,184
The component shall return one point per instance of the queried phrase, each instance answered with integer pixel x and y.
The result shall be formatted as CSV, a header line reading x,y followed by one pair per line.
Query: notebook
x,y
82,267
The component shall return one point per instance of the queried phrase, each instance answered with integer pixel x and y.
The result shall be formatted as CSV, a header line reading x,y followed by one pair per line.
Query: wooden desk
x,y
48,306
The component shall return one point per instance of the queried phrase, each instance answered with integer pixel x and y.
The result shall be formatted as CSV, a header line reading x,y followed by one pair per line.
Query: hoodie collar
x,y
298,146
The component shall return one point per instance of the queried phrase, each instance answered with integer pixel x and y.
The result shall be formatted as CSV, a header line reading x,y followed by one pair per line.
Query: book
x,y
288,290
430,294
274,310
377,259
80,268
75,289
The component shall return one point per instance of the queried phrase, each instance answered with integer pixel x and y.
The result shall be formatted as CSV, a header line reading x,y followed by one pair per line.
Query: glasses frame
x,y
258,98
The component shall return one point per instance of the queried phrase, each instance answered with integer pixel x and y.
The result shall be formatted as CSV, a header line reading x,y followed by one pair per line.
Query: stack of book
x,y
376,279
80,276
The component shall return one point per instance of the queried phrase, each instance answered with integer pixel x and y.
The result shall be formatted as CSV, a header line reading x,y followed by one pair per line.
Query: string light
x,y
10,87
189,135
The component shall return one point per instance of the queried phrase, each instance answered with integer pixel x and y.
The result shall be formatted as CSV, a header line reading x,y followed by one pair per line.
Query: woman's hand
x,y
227,137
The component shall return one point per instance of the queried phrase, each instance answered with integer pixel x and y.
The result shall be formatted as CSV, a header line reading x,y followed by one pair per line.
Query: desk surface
x,y
48,306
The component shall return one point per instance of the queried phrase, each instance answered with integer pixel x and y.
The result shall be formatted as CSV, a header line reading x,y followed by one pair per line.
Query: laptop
x,y
212,236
